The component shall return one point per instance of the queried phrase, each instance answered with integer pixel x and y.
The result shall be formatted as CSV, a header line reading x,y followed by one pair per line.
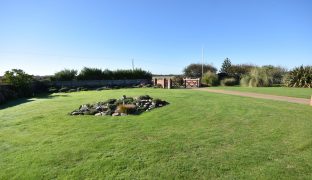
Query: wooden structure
x,y
191,83
166,82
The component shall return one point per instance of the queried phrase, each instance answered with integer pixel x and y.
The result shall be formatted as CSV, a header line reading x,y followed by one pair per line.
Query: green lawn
x,y
281,91
200,135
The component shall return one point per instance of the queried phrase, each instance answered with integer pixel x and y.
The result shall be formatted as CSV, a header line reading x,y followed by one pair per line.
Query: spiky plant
x,y
299,77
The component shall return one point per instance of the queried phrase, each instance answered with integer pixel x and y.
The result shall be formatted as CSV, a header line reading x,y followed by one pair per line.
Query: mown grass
x,y
281,91
200,135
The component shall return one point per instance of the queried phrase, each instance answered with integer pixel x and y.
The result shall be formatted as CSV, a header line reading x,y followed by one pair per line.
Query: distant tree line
x,y
17,84
250,75
99,74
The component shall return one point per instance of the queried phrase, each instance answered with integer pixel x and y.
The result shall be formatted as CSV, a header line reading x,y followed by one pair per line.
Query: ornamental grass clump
x,y
257,77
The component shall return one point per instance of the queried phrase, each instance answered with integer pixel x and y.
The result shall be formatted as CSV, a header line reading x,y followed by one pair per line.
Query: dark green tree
x,y
195,70
21,81
90,74
238,70
65,75
226,66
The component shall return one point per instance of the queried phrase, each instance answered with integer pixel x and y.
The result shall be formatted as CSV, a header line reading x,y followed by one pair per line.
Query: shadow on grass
x,y
19,101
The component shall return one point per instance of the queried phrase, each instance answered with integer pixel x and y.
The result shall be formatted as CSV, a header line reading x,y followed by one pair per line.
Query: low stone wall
x,y
100,83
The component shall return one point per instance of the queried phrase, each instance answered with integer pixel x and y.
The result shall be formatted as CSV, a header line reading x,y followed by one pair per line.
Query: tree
x,y
65,75
90,74
238,70
276,72
195,70
226,66
21,81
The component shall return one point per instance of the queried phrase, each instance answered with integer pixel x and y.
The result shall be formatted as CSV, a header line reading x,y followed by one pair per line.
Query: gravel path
x,y
258,95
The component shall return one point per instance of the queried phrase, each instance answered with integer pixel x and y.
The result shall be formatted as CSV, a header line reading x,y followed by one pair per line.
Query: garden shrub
x,y
128,100
112,106
299,77
111,101
228,82
144,97
210,79
245,81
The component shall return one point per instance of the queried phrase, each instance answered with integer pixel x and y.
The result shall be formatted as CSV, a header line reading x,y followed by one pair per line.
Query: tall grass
x,y
257,77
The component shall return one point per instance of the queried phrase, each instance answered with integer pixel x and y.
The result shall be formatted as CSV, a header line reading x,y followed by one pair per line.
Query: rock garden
x,y
120,107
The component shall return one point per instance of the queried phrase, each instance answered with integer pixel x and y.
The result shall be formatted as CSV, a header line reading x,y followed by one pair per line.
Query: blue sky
x,y
163,36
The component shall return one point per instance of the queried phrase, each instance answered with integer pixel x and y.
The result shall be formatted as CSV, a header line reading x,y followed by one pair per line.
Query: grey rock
x,y
75,113
84,108
99,108
116,114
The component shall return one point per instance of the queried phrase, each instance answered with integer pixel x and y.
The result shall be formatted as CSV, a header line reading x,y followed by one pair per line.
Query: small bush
x,y
111,101
128,100
210,79
245,81
145,97
112,107
228,82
